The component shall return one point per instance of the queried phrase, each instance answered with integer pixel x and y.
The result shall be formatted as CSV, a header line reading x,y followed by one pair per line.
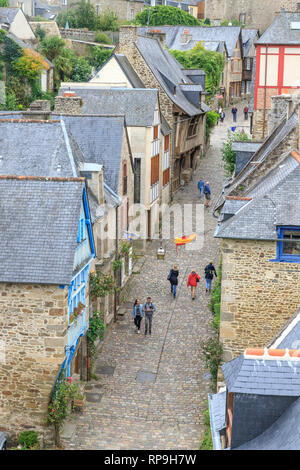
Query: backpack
x,y
169,276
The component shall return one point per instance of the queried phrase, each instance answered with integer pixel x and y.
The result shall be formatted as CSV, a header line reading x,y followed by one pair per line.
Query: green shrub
x,y
228,155
102,38
211,119
165,15
206,443
211,351
99,56
29,439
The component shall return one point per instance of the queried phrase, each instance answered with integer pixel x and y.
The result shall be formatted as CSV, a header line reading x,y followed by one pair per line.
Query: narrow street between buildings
x,y
152,390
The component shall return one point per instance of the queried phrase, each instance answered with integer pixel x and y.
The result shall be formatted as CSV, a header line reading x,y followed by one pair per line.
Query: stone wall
x,y
258,14
33,329
258,296
50,27
68,104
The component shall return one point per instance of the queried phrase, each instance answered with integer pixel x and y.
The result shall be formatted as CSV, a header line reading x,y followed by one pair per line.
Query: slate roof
x,y
275,201
208,34
248,37
289,335
284,434
127,68
168,73
7,15
100,139
280,32
36,149
38,226
273,377
217,411
136,104
278,134
243,152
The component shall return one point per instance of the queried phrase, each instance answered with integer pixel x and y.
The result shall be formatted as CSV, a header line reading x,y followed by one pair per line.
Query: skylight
x,y
295,25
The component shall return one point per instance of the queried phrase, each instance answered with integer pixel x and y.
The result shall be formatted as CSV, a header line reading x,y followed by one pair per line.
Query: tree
x,y
52,47
99,56
4,4
107,21
86,16
165,15
198,58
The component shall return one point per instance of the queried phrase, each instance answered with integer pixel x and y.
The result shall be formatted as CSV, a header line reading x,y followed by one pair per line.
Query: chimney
x,y
281,106
157,34
68,103
128,36
39,109
93,174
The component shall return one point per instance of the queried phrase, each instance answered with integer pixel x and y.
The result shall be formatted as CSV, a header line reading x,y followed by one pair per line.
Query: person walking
x,y
201,187
207,193
234,112
209,271
137,313
173,278
222,116
246,110
193,279
149,308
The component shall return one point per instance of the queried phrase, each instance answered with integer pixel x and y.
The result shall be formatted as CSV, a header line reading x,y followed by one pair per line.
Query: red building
x,y
277,67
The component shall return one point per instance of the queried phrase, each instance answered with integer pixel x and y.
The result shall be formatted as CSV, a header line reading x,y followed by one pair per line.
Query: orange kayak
x,y
184,239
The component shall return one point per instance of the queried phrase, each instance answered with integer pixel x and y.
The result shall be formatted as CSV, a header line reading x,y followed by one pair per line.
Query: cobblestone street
x,y
152,391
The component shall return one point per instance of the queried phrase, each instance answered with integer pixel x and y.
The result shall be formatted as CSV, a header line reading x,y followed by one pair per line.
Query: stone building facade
x,y
259,210
124,9
254,14
33,324
187,149
258,296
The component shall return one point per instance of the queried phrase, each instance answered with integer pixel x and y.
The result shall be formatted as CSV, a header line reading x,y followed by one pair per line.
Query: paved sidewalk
x,y
152,390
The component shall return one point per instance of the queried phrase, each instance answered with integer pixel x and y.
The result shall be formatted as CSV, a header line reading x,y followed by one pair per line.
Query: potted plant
x,y
79,401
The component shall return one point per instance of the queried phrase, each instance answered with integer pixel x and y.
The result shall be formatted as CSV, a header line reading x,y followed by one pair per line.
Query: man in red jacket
x,y
193,279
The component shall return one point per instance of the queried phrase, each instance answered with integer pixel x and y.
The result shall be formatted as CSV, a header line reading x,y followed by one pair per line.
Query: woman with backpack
x,y
137,313
173,278
193,279
209,274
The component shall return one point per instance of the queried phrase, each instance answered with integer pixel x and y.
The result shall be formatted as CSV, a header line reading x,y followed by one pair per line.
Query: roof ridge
x,y
36,121
42,178
272,354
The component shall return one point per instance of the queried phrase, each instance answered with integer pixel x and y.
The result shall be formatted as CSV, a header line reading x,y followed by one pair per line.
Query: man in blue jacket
x,y
149,308
201,187
207,193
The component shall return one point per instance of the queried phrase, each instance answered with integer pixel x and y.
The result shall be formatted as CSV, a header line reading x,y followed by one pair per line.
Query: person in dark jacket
x,y
173,278
234,113
209,274
137,313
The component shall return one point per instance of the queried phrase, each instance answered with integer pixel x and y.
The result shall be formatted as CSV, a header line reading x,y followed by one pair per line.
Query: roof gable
x,y
163,64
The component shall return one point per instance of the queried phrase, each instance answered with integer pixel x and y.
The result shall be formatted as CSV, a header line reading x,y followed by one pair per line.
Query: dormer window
x,y
288,245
